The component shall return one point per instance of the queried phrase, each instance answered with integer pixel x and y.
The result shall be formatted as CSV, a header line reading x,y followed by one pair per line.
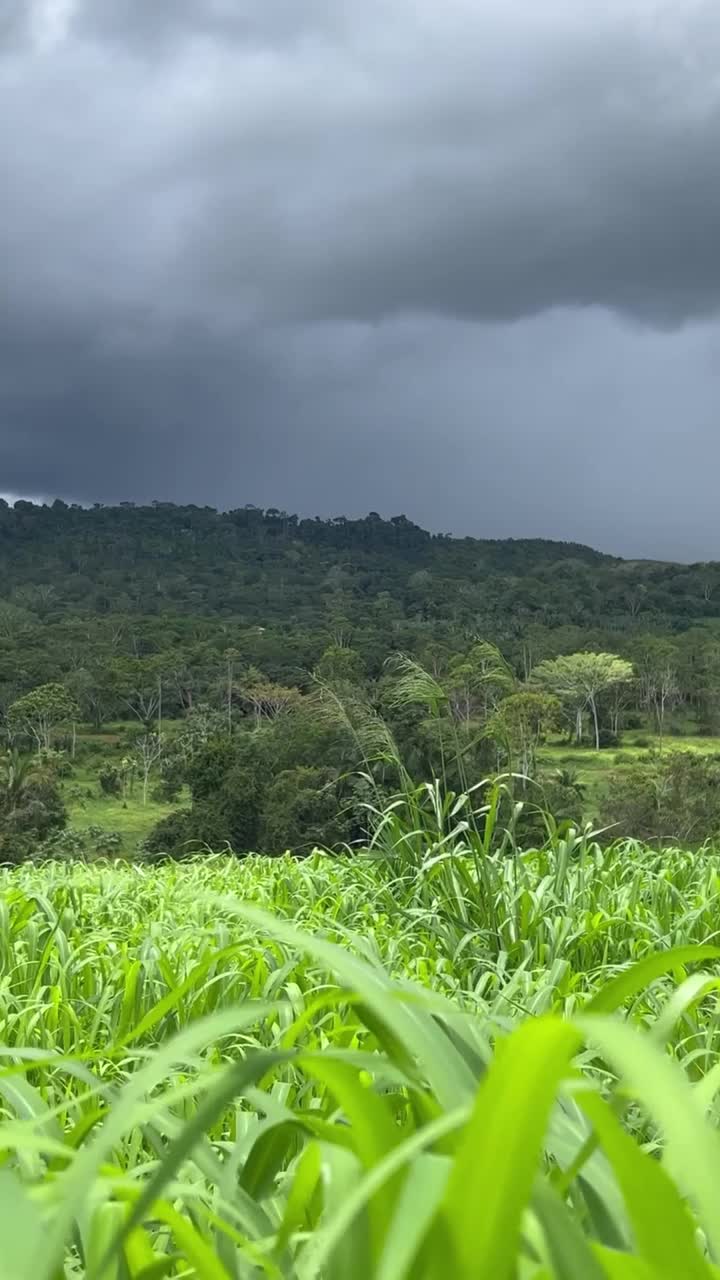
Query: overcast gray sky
x,y
459,260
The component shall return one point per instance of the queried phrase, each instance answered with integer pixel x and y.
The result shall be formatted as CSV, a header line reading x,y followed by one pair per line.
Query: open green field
x,y
357,1069
594,769
88,807
130,818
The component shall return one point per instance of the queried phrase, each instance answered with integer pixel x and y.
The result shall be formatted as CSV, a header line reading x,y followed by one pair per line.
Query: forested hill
x,y
82,590
264,565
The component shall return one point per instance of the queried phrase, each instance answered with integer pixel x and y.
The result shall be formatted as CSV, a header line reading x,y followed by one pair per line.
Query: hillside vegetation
x,y
261,566
212,678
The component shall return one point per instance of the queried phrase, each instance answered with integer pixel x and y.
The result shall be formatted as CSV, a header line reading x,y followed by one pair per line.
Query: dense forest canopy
x,y
85,590
257,566
260,565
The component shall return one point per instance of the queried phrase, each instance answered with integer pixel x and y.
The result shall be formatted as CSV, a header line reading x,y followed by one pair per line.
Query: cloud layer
x,y
454,259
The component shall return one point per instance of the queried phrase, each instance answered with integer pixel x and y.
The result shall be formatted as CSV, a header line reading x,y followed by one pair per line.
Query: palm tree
x,y
17,775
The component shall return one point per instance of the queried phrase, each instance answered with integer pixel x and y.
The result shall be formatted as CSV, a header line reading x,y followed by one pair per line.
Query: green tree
x,y
521,722
303,810
476,681
700,676
39,712
232,657
14,621
266,700
674,798
90,686
656,661
578,680
341,665
137,684
31,806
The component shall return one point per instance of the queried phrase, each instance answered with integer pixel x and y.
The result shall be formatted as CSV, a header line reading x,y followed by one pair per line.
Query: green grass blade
x,y
498,1159
613,994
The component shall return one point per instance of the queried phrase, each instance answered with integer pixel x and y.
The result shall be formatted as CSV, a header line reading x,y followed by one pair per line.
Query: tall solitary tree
x,y
149,751
231,656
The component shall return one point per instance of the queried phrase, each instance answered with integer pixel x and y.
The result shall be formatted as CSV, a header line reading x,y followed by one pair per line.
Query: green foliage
x,y
193,624
31,806
304,809
110,780
521,722
174,835
675,797
477,681
341,665
350,1078
37,713
72,843
54,762
289,783
580,679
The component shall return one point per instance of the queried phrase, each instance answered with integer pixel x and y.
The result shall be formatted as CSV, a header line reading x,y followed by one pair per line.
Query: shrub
x,y
69,843
104,841
172,777
173,837
303,810
110,780
78,794
672,797
55,762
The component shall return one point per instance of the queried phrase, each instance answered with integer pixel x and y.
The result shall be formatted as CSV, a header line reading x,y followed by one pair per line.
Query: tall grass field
x,y
438,1067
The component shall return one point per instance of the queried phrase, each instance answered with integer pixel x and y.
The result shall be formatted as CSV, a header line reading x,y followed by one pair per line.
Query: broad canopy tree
x,y
41,711
579,679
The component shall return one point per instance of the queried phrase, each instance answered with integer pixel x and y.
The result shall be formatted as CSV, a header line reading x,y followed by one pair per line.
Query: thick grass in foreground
x,y
234,1069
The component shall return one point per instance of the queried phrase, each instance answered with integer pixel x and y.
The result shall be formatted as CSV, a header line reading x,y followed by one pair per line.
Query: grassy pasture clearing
x,y
325,1068
87,807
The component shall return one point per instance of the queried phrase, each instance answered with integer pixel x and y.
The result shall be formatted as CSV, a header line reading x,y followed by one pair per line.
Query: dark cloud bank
x,y
459,260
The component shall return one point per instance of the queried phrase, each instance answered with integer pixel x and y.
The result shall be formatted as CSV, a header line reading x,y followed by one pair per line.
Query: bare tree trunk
x,y
661,716
578,726
593,707
527,661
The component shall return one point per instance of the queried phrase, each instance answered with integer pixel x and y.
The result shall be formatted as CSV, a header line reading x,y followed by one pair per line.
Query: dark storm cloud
x,y
482,160
335,256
